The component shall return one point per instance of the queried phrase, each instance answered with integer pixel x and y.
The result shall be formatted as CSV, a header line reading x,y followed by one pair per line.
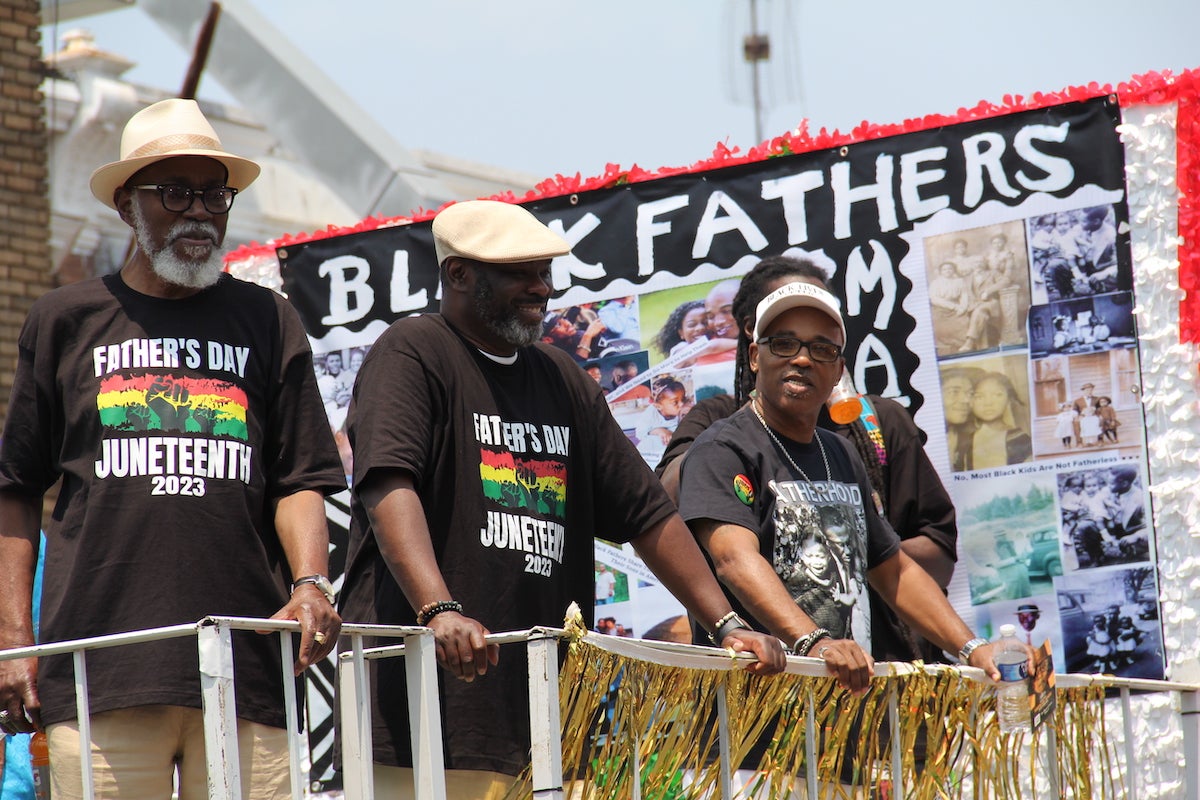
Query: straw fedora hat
x,y
167,129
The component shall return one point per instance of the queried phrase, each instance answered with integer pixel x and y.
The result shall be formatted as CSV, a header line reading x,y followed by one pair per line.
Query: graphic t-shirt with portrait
x,y
820,536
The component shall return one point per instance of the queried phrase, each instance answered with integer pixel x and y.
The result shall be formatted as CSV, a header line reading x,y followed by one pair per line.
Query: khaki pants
x,y
396,783
135,753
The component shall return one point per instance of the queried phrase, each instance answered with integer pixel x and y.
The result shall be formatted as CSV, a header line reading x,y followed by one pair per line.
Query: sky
x,y
560,86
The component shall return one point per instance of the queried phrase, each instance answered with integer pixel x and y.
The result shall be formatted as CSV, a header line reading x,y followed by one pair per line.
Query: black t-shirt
x,y
173,424
821,536
518,467
916,501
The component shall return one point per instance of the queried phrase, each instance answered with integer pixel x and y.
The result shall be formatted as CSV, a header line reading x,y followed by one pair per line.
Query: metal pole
x,y
296,734
215,645
424,715
723,738
83,714
544,722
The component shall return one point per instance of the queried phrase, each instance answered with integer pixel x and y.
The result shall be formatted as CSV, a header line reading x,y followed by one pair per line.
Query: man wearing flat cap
x,y
484,464
179,407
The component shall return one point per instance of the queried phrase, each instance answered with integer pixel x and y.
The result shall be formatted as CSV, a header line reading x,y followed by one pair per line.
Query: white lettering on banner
x,y
844,196
401,299
1059,171
818,492
791,190
646,229
174,455
348,276
564,268
863,278
527,534
912,178
983,152
160,354
872,355
735,218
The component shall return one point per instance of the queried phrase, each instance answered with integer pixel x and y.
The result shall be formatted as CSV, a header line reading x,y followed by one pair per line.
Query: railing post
x,y
84,717
1189,720
215,645
296,733
354,691
425,717
723,740
544,723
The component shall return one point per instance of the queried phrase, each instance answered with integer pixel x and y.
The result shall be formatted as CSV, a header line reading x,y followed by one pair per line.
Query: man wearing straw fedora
x,y
179,408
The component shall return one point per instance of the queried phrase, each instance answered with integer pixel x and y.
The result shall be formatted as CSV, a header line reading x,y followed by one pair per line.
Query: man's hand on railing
x,y
847,661
768,649
982,657
319,624
19,702
461,649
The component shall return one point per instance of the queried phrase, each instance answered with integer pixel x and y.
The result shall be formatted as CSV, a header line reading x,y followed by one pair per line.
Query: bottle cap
x,y
1008,630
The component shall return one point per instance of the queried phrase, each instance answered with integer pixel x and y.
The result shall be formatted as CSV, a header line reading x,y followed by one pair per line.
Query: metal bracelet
x,y
805,643
964,655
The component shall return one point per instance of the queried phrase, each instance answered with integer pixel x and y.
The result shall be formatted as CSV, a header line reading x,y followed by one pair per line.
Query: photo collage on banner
x,y
986,280
1037,355
654,356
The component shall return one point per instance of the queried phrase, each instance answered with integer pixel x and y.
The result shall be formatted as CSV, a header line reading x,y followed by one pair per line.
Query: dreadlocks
x,y
745,307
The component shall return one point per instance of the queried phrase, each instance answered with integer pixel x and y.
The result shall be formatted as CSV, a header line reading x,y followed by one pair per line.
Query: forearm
x,y
673,555
753,581
398,521
20,529
919,601
303,532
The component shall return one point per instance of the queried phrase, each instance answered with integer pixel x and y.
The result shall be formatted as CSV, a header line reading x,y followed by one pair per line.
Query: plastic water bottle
x,y
39,759
1012,694
844,403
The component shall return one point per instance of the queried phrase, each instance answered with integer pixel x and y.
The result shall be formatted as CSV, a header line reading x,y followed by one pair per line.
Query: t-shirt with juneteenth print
x,y
518,467
173,424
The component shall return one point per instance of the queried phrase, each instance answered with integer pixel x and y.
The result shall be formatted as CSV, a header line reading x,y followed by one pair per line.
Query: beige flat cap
x,y
495,232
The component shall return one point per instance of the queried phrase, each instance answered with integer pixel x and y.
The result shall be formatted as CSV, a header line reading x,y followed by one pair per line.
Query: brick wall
x,y
24,195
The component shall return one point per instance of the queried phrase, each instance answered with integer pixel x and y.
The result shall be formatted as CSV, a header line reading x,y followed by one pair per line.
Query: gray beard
x,y
190,274
503,322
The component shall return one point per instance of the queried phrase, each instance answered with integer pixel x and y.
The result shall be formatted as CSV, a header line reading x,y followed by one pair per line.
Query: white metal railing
x,y
215,650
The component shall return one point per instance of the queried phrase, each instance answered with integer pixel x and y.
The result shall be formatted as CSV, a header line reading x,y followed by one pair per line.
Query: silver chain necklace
x,y
816,435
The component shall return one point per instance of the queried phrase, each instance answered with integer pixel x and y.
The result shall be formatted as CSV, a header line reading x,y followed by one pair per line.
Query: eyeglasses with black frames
x,y
789,347
177,198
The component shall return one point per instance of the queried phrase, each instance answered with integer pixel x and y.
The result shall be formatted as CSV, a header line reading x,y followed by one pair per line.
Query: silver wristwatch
x,y
964,655
322,583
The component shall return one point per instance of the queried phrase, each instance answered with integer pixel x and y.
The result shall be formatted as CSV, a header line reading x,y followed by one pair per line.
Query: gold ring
x,y
319,637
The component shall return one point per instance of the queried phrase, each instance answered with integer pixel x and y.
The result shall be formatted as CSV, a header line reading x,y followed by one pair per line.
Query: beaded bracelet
x,y
805,643
431,610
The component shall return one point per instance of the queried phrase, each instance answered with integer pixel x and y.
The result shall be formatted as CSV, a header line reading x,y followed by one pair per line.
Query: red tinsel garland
x,y
1151,89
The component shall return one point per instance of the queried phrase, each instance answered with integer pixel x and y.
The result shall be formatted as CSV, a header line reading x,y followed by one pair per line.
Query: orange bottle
x,y
844,403
39,759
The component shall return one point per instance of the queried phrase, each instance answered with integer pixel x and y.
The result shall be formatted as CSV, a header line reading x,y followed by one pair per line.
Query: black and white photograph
x,y
978,283
1110,623
1103,517
1075,253
1086,404
1082,325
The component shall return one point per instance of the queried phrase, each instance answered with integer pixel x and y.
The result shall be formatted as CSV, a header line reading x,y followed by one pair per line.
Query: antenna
x,y
773,76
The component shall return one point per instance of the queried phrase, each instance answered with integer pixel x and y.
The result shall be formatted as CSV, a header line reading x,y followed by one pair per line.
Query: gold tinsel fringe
x,y
625,719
